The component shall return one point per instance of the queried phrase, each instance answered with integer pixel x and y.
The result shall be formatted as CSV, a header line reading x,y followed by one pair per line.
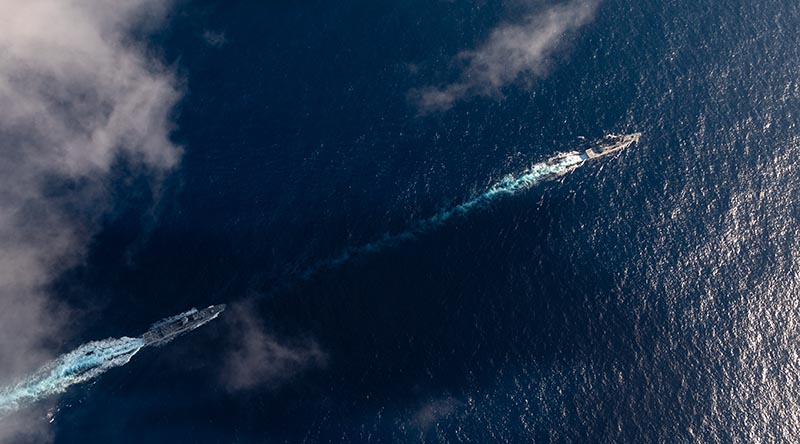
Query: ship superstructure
x,y
611,144
169,328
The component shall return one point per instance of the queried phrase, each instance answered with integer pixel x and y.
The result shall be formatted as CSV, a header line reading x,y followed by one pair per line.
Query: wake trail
x,y
556,166
86,362
92,359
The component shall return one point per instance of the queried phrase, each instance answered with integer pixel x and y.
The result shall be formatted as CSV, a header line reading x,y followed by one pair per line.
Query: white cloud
x,y
512,51
76,94
28,426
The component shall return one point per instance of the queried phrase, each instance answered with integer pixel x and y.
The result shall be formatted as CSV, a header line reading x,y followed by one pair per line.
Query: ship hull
x,y
170,328
611,144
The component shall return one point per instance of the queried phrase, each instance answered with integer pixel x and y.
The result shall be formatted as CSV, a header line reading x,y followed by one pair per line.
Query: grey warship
x,y
611,144
167,329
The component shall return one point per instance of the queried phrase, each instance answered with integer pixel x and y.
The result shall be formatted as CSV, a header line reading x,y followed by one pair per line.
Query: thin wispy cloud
x,y
434,410
215,39
77,94
259,359
513,51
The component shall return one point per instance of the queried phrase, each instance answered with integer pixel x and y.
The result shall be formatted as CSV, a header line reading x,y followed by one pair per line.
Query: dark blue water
x,y
651,297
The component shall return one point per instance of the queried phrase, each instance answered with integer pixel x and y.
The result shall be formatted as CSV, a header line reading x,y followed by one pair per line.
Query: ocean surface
x,y
647,297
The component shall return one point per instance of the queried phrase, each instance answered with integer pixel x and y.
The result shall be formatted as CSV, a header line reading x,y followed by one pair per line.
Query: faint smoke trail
x,y
82,364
